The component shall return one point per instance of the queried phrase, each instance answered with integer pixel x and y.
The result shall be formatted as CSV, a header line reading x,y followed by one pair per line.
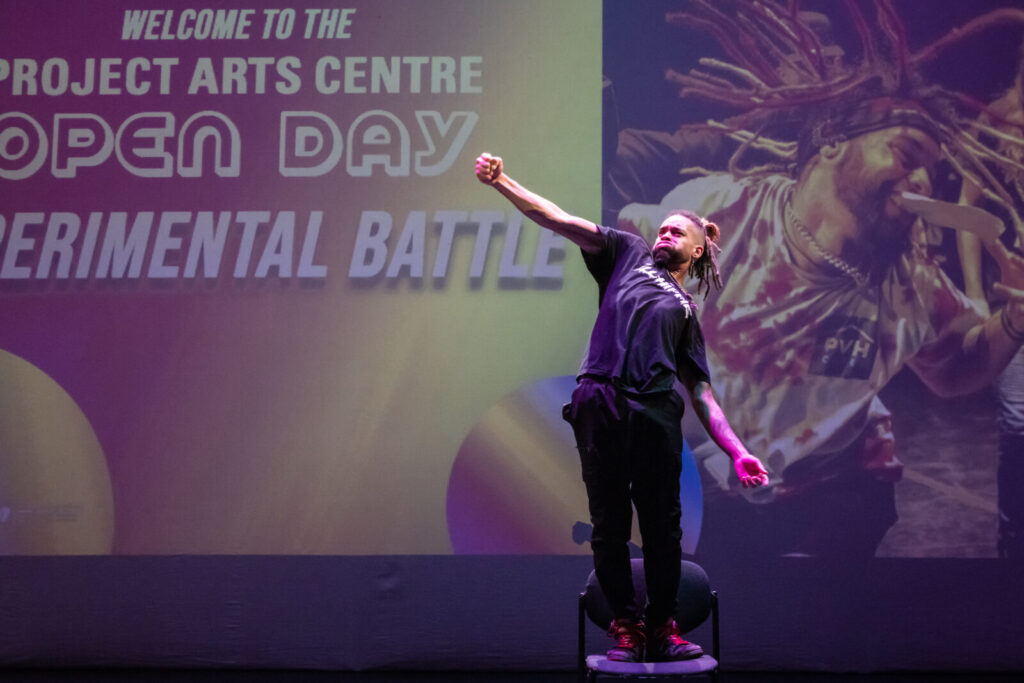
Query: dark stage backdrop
x,y
280,382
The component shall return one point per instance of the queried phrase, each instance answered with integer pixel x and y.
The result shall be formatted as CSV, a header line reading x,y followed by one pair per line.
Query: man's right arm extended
x,y
579,231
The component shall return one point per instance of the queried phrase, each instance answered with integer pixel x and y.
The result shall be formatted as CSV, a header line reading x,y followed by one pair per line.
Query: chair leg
x,y
714,627
581,648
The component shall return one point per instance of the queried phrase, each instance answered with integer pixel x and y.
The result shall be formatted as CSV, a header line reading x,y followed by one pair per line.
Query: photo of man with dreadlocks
x,y
822,172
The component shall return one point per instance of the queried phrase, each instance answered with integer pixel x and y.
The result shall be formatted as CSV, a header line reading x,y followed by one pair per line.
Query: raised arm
x,y
579,231
748,468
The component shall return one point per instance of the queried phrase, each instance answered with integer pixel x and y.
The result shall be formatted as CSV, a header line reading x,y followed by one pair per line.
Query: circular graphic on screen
x,y
515,486
55,492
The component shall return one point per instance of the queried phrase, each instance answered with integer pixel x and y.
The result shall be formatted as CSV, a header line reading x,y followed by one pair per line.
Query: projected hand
x,y
488,168
1011,281
750,471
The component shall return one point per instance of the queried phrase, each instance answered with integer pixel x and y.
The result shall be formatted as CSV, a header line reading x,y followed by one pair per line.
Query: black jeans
x,y
631,454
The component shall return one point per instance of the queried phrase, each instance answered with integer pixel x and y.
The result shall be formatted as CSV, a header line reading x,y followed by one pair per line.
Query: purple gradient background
x,y
287,415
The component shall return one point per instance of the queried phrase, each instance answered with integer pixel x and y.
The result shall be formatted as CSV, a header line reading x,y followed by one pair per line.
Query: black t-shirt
x,y
646,333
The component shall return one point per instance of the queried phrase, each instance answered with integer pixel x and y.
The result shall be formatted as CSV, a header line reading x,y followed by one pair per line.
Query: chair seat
x,y
698,665
695,602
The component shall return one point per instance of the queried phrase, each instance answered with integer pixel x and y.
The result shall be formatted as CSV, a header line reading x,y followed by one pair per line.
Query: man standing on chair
x,y
626,409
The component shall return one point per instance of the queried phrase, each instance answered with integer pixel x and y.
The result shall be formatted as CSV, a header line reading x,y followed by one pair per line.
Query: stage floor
x,y
237,676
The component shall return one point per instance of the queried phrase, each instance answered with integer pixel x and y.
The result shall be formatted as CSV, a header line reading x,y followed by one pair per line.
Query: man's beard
x,y
666,258
869,208
889,234
892,231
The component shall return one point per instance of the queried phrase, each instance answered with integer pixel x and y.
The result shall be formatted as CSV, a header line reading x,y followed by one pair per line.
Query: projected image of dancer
x,y
626,410
830,295
828,299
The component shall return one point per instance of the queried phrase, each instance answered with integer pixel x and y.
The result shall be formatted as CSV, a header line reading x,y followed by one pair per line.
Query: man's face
x,y
876,167
679,242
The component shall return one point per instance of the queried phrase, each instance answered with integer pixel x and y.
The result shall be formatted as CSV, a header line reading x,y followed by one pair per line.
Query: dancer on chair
x,y
626,411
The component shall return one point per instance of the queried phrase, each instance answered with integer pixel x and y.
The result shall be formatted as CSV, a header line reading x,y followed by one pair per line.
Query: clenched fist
x,y
488,168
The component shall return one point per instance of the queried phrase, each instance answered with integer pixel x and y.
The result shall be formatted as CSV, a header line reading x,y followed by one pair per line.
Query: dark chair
x,y
696,602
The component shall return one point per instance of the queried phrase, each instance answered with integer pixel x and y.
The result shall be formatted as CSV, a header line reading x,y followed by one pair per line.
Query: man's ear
x,y
832,150
698,250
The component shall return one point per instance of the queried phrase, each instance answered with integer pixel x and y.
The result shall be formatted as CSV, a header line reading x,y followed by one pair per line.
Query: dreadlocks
x,y
775,72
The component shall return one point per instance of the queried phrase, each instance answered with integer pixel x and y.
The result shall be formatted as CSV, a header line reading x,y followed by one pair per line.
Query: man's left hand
x,y
750,471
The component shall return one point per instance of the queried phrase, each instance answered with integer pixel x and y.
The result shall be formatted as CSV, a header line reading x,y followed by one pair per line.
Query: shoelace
x,y
669,634
625,636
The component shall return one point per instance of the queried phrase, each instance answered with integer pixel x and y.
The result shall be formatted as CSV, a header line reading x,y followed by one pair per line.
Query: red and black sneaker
x,y
629,641
665,644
